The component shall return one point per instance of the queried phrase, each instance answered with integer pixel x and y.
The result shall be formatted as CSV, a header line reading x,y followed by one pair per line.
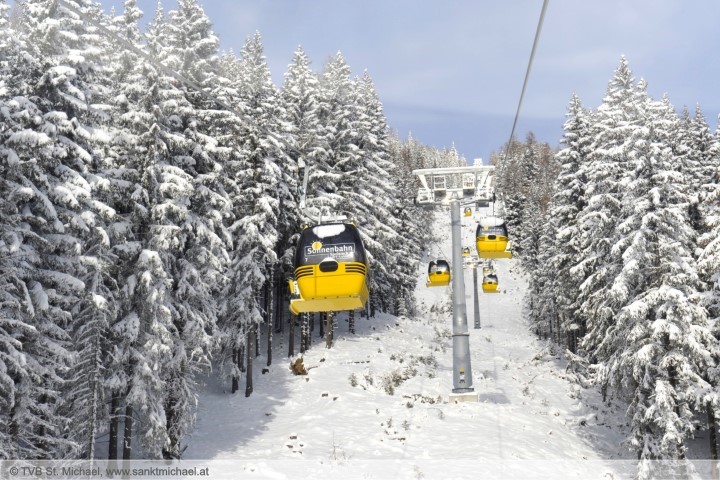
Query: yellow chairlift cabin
x,y
490,283
468,212
491,238
330,270
438,273
466,251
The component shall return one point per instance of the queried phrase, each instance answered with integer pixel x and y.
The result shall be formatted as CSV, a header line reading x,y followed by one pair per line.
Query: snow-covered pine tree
x,y
614,123
153,116
255,202
660,346
200,258
299,96
16,254
68,120
708,268
374,196
405,254
540,300
130,232
332,172
84,397
703,149
568,201
524,176
176,213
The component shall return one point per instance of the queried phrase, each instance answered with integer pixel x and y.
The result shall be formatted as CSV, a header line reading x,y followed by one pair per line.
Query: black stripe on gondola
x,y
303,271
360,270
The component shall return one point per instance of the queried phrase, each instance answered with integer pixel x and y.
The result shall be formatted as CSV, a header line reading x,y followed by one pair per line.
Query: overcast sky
x,y
451,71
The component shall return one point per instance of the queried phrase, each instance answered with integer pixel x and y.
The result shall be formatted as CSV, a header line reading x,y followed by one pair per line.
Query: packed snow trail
x,y
375,405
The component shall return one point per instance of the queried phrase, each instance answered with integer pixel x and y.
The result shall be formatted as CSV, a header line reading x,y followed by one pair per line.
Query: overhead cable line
x,y
527,75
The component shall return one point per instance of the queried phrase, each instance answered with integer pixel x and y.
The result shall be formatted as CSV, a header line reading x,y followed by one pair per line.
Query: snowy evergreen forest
x,y
147,233
620,235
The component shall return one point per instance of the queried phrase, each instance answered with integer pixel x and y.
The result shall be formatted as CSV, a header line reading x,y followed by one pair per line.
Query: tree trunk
x,y
713,433
279,307
248,375
256,343
558,332
305,332
41,432
170,451
351,321
236,364
127,437
291,336
329,329
270,315
114,424
321,323
549,334
672,378
241,357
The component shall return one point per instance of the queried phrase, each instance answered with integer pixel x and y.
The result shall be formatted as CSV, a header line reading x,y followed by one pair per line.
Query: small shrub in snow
x,y
388,386
444,333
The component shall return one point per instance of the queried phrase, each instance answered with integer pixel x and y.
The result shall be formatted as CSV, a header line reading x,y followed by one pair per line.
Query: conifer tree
x,y
256,202
67,91
568,202
615,122
661,340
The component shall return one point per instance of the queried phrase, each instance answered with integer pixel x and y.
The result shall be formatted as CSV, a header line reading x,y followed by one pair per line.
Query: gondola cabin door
x,y
330,270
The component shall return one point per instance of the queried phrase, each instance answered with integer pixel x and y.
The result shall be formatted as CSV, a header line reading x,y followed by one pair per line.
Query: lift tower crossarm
x,y
452,170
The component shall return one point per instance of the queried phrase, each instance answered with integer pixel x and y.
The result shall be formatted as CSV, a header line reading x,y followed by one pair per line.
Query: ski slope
x,y
375,405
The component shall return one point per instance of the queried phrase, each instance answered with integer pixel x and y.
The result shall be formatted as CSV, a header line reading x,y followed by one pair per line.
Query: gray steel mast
x,y
462,371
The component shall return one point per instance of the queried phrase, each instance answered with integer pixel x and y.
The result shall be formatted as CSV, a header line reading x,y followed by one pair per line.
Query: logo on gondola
x,y
337,250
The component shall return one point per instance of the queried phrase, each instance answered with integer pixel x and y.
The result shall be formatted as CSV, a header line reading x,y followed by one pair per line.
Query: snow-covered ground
x,y
375,405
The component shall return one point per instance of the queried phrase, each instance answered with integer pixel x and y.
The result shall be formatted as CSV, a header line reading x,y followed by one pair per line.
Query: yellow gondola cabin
x,y
438,274
490,283
491,238
330,270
